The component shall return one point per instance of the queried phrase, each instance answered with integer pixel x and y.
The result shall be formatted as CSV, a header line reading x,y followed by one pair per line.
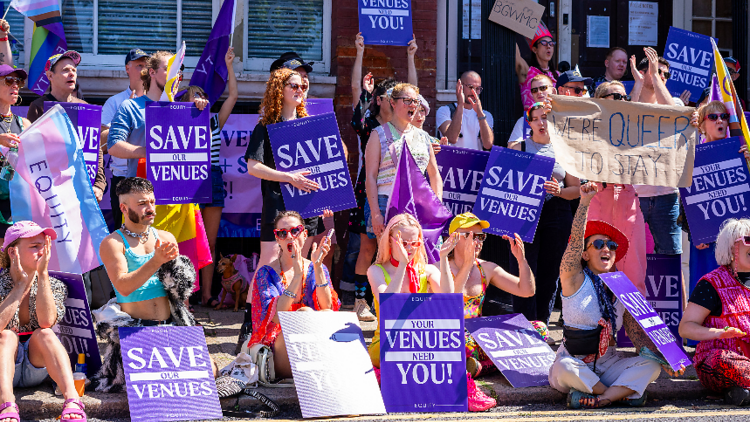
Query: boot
x,y
478,401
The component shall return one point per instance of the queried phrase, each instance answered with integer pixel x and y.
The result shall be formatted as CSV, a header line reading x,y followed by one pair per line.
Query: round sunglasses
x,y
298,87
13,80
714,116
598,244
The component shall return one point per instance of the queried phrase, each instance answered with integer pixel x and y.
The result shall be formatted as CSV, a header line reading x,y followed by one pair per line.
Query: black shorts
x,y
273,204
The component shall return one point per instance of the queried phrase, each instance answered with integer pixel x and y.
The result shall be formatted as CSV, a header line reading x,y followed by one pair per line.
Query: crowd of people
x,y
585,229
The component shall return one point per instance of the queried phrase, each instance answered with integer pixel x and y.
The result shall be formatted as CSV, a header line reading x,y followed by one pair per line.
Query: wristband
x,y
287,293
482,118
4,39
326,284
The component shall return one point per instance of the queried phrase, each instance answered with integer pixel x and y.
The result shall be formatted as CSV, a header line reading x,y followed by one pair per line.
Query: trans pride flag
x,y
48,38
51,187
737,120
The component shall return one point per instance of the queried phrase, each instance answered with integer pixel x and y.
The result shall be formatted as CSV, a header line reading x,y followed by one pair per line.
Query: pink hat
x,y
541,32
24,230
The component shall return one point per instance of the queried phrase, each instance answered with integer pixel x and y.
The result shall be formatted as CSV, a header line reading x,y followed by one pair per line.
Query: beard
x,y
137,219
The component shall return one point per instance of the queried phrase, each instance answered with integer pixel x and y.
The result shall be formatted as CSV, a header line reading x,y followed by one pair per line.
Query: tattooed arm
x,y
6,57
571,275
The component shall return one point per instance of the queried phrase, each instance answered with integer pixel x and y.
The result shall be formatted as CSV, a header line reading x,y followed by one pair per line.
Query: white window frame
x,y
262,64
684,20
446,94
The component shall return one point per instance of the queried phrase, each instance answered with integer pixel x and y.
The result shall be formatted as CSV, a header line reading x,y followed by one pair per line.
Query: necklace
x,y
9,121
142,237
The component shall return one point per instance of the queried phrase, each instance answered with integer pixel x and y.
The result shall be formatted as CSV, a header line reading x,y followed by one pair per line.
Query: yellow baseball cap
x,y
466,220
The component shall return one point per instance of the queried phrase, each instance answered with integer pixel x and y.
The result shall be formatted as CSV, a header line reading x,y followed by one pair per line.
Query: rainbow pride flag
x,y
51,187
737,121
48,38
186,224
174,64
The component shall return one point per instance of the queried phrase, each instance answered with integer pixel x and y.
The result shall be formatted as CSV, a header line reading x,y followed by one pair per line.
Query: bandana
x,y
411,272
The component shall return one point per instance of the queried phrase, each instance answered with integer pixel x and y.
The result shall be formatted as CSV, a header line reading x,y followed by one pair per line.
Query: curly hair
x,y
153,62
273,99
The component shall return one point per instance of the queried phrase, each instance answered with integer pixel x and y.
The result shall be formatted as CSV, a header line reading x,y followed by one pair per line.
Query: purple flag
x,y
413,194
715,90
211,71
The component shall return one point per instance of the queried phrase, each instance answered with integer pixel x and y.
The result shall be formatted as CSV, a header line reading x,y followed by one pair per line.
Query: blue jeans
x,y
27,375
350,257
660,213
382,204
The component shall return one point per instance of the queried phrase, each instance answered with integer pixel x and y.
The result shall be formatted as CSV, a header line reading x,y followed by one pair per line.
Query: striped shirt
x,y
215,140
419,145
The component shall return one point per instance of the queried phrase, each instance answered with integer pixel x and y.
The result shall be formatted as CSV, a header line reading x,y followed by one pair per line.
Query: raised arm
x,y
522,286
635,93
322,278
21,287
452,128
233,94
359,43
571,275
660,89
6,55
411,65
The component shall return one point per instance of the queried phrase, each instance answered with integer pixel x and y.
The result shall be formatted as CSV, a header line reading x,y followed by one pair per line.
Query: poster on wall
x,y
597,31
643,23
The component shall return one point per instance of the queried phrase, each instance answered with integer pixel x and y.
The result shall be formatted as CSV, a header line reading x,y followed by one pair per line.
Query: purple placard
x,y
462,170
385,22
313,144
691,59
318,106
168,374
76,330
178,151
647,318
515,348
422,354
663,292
88,119
720,189
512,192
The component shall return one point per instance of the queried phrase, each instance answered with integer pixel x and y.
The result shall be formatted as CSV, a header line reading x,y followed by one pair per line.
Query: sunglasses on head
x,y
617,96
744,239
299,87
714,116
539,88
577,90
294,231
12,80
478,237
665,74
598,244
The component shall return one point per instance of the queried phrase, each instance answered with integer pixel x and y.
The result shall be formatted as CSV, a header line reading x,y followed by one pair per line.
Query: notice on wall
x,y
521,16
597,31
643,23
422,353
331,367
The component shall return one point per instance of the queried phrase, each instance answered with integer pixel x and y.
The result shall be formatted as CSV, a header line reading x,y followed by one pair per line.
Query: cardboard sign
x,y
691,58
647,318
522,16
178,151
515,347
87,118
663,292
385,22
168,374
512,192
623,142
720,189
313,144
422,352
328,385
76,330
462,170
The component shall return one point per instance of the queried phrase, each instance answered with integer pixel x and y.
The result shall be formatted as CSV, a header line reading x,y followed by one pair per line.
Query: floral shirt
x,y
59,292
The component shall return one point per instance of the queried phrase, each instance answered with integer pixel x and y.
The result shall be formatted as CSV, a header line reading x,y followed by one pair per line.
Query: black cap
x,y
291,60
706,92
135,54
572,76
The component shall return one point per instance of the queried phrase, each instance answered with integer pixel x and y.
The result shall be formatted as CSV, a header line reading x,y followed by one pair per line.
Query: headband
x,y
528,112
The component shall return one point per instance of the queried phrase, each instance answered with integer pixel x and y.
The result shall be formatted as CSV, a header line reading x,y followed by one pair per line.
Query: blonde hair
x,y
603,87
273,99
712,107
399,90
541,76
731,230
153,62
384,244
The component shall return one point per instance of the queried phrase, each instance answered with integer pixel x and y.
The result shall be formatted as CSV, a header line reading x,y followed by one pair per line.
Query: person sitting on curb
x,y
32,302
588,367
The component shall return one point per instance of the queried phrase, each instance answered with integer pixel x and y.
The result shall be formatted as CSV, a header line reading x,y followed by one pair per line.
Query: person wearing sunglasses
x,y
553,229
541,87
401,267
465,123
572,84
472,276
543,48
290,283
651,75
384,151
283,100
718,317
587,366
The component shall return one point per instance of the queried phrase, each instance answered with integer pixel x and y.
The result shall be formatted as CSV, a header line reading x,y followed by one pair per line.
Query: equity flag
x,y
173,75
414,195
211,72
48,38
51,187
737,121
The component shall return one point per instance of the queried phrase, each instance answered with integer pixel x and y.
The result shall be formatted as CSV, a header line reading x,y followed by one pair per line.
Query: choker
x,y
142,237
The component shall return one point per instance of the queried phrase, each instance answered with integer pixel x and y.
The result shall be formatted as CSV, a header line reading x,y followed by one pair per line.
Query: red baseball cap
x,y
24,230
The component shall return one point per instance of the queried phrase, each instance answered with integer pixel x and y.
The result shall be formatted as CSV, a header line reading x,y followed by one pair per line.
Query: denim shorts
x,y
217,188
27,375
660,213
382,204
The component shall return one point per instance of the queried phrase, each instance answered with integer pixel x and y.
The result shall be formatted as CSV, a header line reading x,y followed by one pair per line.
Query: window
x,y
714,18
279,26
117,26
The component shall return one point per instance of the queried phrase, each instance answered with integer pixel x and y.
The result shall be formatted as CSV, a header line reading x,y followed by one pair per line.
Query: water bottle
x,y
9,166
16,53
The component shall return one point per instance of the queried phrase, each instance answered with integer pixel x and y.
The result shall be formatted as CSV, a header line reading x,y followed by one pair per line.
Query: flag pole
x,y
6,11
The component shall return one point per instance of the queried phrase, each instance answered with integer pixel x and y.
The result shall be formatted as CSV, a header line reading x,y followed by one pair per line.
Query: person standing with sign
x,y
463,261
718,316
32,301
283,100
555,221
372,110
543,47
588,367
289,283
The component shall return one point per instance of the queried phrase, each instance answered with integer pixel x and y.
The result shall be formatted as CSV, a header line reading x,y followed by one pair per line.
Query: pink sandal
x,y
9,415
72,410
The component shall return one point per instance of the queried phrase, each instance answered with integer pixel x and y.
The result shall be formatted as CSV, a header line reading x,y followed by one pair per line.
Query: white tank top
x,y
581,309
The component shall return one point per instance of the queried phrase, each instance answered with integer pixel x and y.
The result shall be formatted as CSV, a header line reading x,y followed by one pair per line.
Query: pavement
x,y
222,328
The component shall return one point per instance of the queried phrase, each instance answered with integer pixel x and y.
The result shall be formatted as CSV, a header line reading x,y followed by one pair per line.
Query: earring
x,y
18,102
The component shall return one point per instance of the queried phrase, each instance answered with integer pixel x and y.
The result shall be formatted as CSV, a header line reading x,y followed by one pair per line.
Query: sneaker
x,y
478,401
363,311
737,396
